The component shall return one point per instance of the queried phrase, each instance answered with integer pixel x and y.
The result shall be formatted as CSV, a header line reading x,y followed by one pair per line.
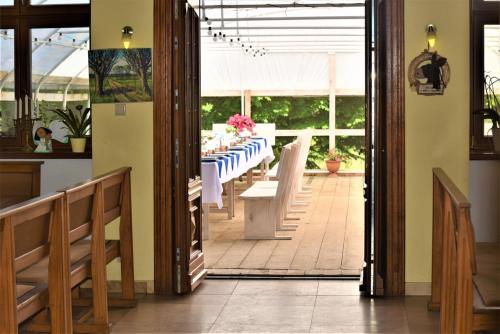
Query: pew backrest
x,y
29,232
453,255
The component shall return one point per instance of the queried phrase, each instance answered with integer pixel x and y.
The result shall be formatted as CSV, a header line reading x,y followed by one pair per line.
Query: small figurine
x,y
43,139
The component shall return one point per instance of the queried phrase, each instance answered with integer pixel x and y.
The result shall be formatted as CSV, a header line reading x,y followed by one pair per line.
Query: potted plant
x,y
491,110
78,125
333,161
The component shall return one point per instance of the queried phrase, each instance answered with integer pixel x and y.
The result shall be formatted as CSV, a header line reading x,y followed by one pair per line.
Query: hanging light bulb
x,y
74,42
223,37
215,37
210,31
4,35
208,21
220,35
59,37
49,42
242,45
231,42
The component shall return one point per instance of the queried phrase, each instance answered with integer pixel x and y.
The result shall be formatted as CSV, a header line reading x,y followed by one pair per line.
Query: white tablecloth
x,y
213,178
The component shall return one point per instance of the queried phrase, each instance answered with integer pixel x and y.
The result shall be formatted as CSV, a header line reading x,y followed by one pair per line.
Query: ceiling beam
x,y
292,28
288,18
288,5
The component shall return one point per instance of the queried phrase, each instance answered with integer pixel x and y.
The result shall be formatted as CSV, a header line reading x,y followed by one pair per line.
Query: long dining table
x,y
222,168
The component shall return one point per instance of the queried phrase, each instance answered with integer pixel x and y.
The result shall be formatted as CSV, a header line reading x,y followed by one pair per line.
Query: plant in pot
x,y
78,124
333,161
491,109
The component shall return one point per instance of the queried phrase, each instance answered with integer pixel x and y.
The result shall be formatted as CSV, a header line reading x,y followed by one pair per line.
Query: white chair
x,y
266,207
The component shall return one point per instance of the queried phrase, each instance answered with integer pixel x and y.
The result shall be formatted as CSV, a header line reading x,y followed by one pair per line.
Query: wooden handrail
x,y
459,199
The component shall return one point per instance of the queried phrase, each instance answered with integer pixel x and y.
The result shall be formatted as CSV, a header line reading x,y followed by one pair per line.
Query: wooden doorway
x,y
388,192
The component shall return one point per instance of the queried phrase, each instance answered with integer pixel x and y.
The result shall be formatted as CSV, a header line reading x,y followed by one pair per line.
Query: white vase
x,y
78,144
496,140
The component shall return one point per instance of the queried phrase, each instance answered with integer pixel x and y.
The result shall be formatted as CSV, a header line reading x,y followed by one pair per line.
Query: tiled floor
x,y
328,241
267,306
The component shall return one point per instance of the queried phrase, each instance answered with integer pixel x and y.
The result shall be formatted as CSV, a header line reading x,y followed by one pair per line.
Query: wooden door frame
x,y
392,244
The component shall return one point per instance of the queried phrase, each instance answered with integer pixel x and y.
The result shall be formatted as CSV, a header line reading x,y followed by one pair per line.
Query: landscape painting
x,y
120,75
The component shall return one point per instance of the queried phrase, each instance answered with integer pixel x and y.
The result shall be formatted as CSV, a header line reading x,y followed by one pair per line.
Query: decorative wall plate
x,y
429,74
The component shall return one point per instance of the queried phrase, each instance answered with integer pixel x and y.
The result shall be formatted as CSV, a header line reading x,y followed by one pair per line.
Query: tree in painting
x,y
101,63
140,63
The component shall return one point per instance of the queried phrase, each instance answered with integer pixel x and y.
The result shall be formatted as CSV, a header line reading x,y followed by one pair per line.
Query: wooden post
x,y
126,242
332,73
248,103
8,301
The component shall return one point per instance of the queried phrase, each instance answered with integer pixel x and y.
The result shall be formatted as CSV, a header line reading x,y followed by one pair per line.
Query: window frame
x,y
482,13
22,17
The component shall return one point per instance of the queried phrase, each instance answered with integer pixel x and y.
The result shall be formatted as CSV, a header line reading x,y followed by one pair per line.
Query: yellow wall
x,y
437,128
127,140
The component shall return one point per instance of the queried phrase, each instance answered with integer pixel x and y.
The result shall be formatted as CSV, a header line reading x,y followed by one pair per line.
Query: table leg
x,y
250,177
262,171
230,199
204,221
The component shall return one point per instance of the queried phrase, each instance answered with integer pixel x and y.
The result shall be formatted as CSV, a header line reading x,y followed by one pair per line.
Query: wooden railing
x,y
454,263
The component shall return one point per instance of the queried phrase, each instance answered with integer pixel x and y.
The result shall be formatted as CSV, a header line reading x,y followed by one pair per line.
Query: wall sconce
x,y
431,31
127,33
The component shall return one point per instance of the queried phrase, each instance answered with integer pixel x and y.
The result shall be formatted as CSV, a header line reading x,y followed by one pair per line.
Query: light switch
x,y
120,109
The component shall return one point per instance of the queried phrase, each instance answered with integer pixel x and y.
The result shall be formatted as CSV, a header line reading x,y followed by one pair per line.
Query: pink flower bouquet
x,y
241,123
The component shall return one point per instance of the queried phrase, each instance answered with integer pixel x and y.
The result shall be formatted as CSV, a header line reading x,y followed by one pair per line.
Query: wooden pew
x,y
454,267
30,232
89,206
19,181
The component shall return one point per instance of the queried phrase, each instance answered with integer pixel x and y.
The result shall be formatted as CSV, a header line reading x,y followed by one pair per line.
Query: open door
x,y
189,261
367,278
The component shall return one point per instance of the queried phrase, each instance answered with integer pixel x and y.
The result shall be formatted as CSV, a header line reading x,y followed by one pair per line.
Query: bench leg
x,y
126,244
250,178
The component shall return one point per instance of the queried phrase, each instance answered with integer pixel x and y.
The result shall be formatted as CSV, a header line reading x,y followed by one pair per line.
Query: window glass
x,y
60,76
491,69
218,109
8,110
6,2
291,113
57,2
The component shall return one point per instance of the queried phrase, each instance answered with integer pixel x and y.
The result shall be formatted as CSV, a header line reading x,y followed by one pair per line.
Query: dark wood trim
x,y
163,157
54,155
484,155
482,13
390,151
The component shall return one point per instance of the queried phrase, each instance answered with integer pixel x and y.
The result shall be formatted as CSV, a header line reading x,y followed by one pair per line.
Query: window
x,y
44,46
485,64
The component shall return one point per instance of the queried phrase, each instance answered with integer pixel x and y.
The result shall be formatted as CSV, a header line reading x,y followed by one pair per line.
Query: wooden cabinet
x,y
19,181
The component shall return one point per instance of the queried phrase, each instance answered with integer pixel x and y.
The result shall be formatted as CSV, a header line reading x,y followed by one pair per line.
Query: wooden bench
x,y
266,206
88,208
465,284
29,233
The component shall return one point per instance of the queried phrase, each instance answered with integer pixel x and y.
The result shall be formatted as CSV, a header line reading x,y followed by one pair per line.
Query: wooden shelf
x,y
54,155
484,155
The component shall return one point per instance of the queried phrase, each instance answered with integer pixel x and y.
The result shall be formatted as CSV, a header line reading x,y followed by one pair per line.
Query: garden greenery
x,y
297,113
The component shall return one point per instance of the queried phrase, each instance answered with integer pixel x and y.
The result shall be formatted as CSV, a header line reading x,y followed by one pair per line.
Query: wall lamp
x,y
127,33
431,31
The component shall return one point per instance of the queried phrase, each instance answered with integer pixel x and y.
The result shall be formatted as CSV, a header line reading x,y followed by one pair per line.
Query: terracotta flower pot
x,y
78,144
333,166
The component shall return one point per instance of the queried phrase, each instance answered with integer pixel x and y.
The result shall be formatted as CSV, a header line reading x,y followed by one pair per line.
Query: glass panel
x,y
350,112
291,113
6,2
491,71
352,148
57,2
60,76
218,110
7,84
